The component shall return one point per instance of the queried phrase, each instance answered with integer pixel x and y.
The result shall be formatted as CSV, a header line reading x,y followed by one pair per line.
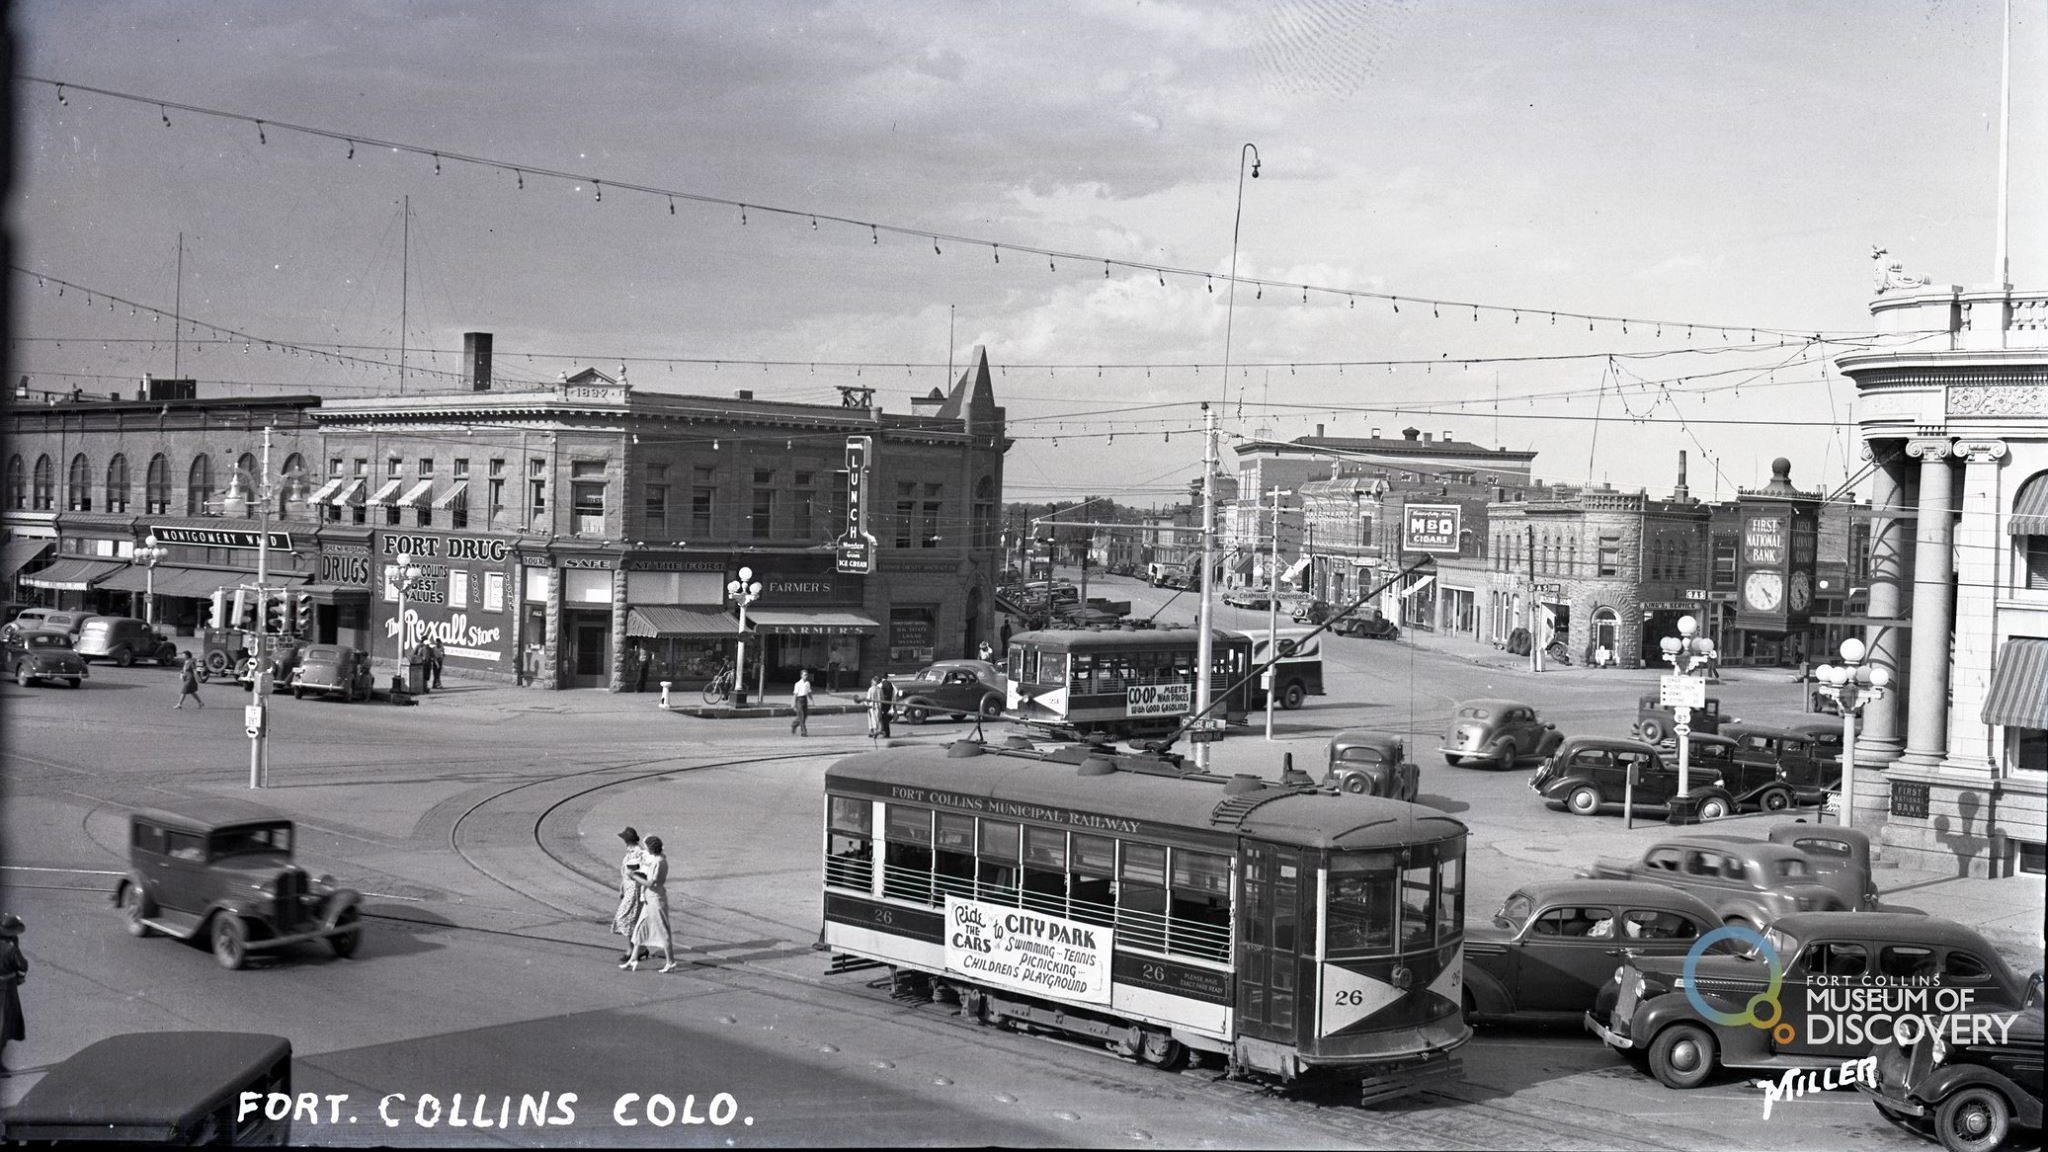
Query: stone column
x,y
1933,598
1881,737
1979,546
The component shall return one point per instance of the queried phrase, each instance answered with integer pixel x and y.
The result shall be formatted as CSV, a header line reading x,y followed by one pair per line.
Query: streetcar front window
x,y
907,863
849,847
1363,900
1418,907
1092,884
997,869
1052,668
953,856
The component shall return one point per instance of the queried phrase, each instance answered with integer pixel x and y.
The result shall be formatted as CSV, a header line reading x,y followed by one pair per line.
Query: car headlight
x,y
1620,972
1937,1047
1642,986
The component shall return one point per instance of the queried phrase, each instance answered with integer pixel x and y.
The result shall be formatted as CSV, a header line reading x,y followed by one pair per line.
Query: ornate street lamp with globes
x,y
404,577
1687,653
149,556
744,591
1851,684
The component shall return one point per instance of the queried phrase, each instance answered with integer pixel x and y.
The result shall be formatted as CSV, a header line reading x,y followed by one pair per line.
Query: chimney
x,y
1425,437
1319,431
1681,493
476,361
1410,433
1375,433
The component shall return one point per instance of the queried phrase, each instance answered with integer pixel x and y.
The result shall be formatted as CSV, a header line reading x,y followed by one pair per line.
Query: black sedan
x,y
1553,945
957,688
33,656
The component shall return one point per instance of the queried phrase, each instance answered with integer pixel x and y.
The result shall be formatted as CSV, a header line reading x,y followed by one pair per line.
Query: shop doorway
x,y
1606,633
590,651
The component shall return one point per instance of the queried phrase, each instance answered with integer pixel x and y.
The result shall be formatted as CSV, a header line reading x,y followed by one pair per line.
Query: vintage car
x,y
124,640
1497,733
1654,1006
1825,734
1367,625
222,870
46,620
1656,723
1841,860
1309,610
33,656
1967,1091
285,654
1553,944
1809,772
1746,881
172,1088
958,688
1756,787
1588,773
1254,598
333,668
1372,764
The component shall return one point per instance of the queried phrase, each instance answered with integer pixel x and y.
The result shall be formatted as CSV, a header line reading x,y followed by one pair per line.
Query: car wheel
x,y
1583,801
956,716
1356,783
1682,1056
1650,731
1975,1119
123,658
1503,754
991,707
1453,760
72,681
346,943
21,675
1713,808
216,662
230,940
131,908
1776,800
915,715
298,693
1292,696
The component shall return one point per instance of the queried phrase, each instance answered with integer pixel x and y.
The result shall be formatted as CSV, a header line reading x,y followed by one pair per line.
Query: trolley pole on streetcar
x,y
1269,679
1205,647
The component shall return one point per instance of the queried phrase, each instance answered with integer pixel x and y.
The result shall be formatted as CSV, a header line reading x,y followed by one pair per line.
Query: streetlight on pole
x,y
1851,684
1205,643
1684,691
744,591
236,503
404,579
1270,677
149,556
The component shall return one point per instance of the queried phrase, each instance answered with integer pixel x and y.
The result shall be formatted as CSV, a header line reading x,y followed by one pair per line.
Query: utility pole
x,y
1535,609
1271,677
178,308
404,287
1205,645
257,718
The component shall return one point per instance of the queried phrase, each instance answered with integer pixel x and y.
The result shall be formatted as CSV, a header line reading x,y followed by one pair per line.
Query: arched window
x,y
17,483
985,513
198,485
245,468
78,485
45,495
156,486
291,484
2028,527
117,484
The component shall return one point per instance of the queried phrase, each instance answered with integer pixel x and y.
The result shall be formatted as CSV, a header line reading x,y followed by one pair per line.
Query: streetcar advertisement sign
x,y
1158,699
1028,951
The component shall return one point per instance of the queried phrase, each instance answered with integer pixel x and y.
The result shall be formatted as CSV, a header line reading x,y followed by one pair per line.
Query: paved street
x,y
481,823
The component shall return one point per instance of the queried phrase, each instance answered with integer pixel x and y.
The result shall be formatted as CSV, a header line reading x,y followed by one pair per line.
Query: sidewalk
x,y
1486,655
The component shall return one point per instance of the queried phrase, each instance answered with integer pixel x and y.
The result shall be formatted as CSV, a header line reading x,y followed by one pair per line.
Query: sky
x,y
1679,165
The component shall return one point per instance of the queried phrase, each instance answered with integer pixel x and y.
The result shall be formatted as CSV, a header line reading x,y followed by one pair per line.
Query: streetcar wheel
x,y
1583,801
1975,1119
1292,696
1162,1051
1776,800
230,941
1682,1056
131,909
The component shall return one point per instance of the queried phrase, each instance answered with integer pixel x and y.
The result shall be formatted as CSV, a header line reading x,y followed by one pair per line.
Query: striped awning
x,y
813,622
73,574
2030,512
325,491
197,583
2019,685
384,493
18,554
667,620
347,491
453,494
413,493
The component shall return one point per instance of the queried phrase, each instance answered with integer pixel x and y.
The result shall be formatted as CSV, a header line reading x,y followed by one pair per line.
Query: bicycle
x,y
720,688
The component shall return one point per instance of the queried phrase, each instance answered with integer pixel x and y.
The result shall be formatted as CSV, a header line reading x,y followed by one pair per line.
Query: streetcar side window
x,y
907,861
1198,916
1418,906
1084,674
1363,899
953,856
1450,905
1092,883
849,847
1141,897
1045,870
996,872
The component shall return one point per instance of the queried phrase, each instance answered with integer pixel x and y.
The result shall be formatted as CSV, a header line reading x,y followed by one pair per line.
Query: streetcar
x,y
1139,683
1283,930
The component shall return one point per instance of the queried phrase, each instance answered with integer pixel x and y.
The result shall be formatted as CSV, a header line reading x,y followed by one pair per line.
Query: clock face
x,y
1763,591
1802,591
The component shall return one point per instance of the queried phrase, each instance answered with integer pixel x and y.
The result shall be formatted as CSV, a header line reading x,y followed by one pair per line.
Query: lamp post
x,y
1851,684
149,556
236,503
1271,675
1686,652
744,591
404,577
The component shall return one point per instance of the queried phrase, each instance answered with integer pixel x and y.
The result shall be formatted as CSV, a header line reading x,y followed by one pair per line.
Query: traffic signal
x,y
217,617
275,606
301,617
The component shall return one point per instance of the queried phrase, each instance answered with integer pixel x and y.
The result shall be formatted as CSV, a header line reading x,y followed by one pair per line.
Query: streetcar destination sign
x,y
1158,699
1029,951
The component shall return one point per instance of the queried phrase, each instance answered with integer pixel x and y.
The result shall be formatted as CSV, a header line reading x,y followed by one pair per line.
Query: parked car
x,y
959,688
222,870
1968,1091
33,656
1746,881
285,654
1647,1011
1372,764
1553,944
196,1084
1368,625
1756,787
1825,734
1588,773
1498,733
124,640
1806,770
1309,610
47,620
1255,598
1656,723
1840,858
333,668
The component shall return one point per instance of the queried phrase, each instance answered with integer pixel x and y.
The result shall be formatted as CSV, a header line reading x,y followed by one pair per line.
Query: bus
x,y
1275,929
1123,683
1298,674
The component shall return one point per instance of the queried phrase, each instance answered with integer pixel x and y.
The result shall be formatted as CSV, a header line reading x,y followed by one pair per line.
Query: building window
x,y
199,485
537,488
835,512
807,521
655,493
78,488
156,486
1610,555
586,496
2037,563
17,483
43,484
1724,564
985,513
423,504
117,484
933,502
495,505
703,499
458,496
761,525
906,514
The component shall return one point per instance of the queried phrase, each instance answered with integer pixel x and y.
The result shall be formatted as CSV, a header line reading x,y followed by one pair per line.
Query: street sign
x,y
1207,724
1201,737
1681,692
1548,588
252,719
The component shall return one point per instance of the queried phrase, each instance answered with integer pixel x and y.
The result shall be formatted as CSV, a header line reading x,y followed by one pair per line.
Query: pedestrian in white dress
x,y
651,930
628,912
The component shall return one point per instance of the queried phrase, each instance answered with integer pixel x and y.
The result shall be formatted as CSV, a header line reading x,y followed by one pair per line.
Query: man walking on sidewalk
x,y
800,698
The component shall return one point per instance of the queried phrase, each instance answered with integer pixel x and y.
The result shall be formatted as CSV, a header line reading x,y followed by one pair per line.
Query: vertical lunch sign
x,y
1028,951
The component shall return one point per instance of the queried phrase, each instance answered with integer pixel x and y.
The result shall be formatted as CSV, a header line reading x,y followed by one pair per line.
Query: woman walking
x,y
13,970
651,930
628,912
188,682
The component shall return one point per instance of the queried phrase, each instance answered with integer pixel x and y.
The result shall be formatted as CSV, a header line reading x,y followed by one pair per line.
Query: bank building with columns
x,y
1954,423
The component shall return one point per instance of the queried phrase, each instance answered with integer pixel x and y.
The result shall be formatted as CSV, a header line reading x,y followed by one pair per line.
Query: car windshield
x,y
1514,913
1784,944
249,841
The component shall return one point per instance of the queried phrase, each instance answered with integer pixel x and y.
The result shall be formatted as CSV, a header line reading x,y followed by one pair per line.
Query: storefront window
x,y
911,632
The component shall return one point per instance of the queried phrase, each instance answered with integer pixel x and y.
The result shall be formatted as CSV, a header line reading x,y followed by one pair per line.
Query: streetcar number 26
x,y
884,916
1349,997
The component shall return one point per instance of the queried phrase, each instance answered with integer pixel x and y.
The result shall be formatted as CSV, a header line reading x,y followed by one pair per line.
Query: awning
x,y
348,490
451,495
2030,511
664,620
811,622
1296,569
18,554
1243,565
74,575
413,494
326,490
330,593
2019,686
383,494
198,583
